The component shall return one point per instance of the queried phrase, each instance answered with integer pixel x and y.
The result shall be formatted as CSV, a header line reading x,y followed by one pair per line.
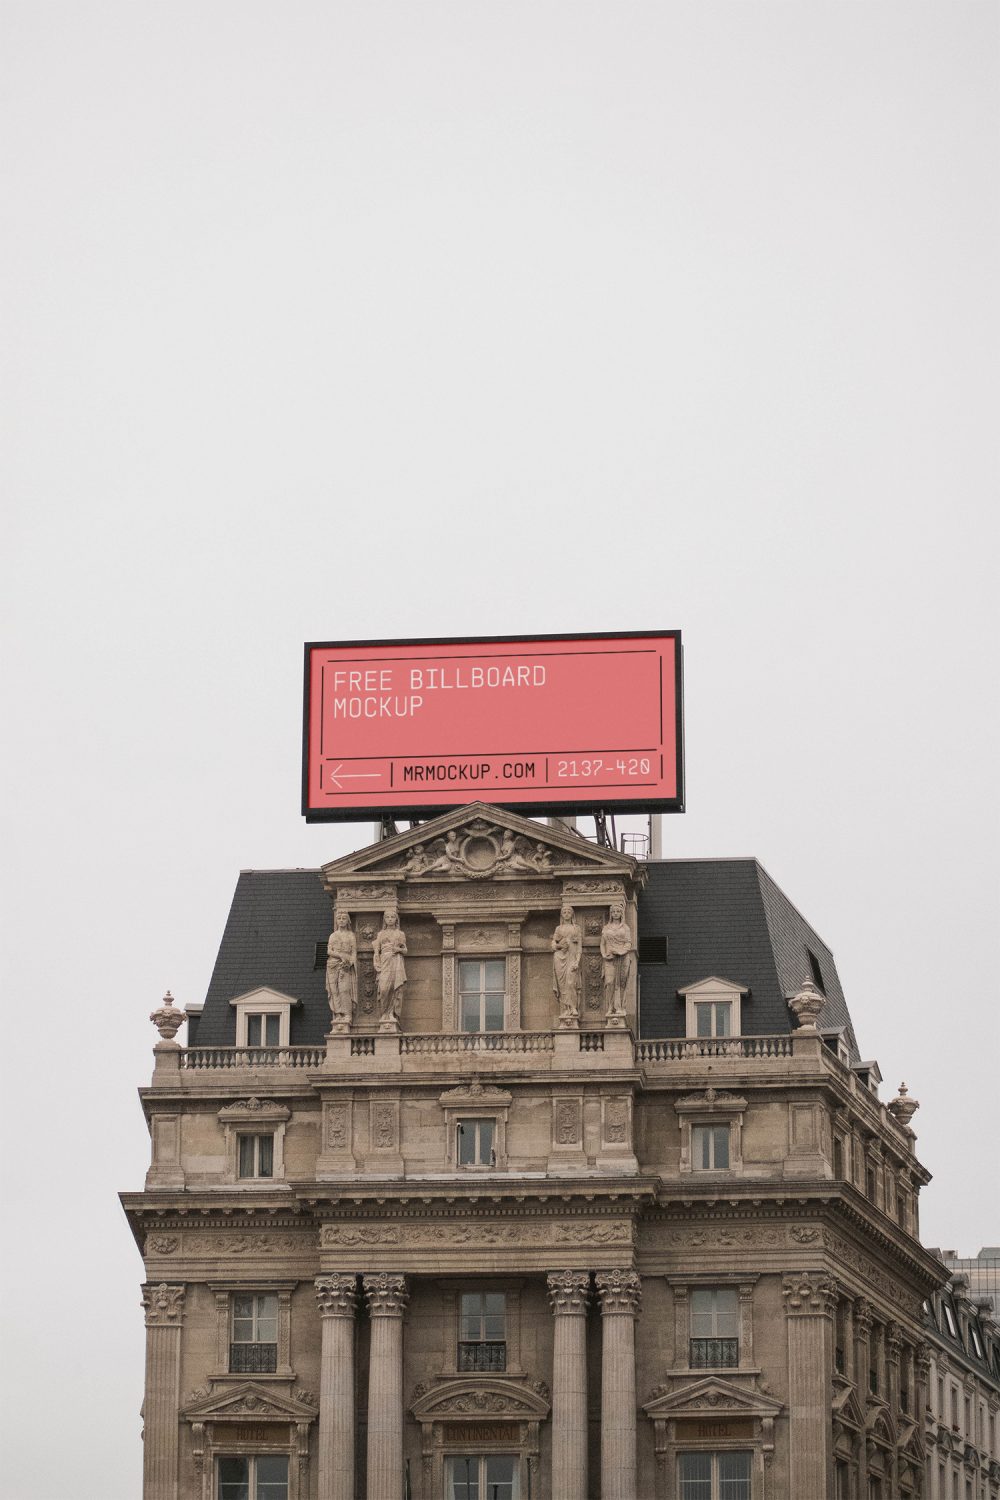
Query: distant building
x,y
981,1272
500,1166
963,1397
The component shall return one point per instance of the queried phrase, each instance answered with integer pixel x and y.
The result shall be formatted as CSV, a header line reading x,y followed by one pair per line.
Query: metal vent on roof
x,y
319,962
817,972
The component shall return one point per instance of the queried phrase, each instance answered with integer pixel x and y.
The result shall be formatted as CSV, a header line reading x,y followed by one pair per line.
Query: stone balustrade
x,y
682,1049
252,1057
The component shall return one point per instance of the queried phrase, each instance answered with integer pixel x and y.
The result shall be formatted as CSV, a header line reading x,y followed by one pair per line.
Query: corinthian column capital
x,y
569,1291
163,1304
337,1295
808,1293
618,1292
387,1295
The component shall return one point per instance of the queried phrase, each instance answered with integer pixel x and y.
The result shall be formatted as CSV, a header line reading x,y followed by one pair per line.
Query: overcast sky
x,y
359,320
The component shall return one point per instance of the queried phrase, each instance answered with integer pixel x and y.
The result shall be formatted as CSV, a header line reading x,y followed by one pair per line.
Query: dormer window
x,y
263,1018
713,1009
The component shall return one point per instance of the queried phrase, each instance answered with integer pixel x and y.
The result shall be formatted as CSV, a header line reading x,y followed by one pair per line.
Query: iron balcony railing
x,y
715,1354
482,1356
253,1359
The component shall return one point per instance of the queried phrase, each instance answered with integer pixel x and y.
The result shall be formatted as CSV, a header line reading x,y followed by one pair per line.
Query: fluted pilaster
x,y
569,1292
618,1293
337,1298
810,1300
387,1297
164,1308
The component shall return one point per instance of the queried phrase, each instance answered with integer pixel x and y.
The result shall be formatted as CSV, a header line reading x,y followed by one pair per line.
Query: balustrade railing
x,y
253,1359
678,1049
253,1057
477,1041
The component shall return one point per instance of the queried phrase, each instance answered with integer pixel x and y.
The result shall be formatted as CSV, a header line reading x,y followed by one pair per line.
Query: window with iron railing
x,y
253,1345
715,1328
482,1334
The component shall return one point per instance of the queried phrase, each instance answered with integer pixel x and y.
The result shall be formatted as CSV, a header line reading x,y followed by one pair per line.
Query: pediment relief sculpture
x,y
495,1397
711,1102
254,1109
712,1397
478,842
249,1400
475,1093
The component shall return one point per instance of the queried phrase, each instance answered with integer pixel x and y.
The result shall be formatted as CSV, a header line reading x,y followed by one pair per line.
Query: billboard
x,y
542,724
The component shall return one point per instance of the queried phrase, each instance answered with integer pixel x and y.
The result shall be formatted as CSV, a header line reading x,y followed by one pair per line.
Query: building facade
x,y
963,1387
500,1166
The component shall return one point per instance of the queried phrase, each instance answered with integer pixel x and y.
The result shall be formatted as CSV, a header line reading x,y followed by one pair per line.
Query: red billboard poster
x,y
544,724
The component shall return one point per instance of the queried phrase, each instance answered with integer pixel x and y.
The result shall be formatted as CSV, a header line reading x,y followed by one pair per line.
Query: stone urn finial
x,y
168,1019
807,1003
903,1108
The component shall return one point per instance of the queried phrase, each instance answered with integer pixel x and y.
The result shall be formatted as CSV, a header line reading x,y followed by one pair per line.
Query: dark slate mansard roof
x,y
723,917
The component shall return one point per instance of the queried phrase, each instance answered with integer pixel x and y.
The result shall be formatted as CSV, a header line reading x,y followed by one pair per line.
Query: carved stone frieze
x,y
337,1295
617,1232
207,1243
618,1292
163,1304
162,1244
809,1292
387,1295
569,1291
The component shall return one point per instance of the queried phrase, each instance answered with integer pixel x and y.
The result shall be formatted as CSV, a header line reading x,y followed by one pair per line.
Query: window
x,y
253,1345
715,1328
481,993
713,1018
474,1143
262,1478
256,1155
709,1148
816,971
263,1030
488,1476
482,1331
712,1008
714,1476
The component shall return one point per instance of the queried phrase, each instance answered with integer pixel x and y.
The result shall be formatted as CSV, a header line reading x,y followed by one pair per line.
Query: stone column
x,y
810,1299
387,1297
164,1307
863,1319
337,1297
568,1293
618,1292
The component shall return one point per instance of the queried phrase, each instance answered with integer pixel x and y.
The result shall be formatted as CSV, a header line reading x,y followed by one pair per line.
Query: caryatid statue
x,y
390,971
618,953
567,950
341,973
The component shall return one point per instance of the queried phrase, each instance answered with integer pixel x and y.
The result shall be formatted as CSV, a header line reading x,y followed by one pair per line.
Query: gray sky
x,y
331,320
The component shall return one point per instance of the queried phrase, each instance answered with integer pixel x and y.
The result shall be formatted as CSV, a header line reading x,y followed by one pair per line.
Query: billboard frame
x,y
423,814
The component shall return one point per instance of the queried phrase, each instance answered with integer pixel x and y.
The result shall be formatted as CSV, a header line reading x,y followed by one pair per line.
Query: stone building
x,y
963,1387
501,1166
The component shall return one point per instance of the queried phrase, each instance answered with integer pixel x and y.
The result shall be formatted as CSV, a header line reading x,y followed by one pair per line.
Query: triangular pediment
x,y
480,841
492,1397
847,1408
264,995
248,1399
712,1397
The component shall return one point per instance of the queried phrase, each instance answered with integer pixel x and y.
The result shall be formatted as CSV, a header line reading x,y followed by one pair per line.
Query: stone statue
x,y
417,861
567,949
342,973
390,971
618,953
